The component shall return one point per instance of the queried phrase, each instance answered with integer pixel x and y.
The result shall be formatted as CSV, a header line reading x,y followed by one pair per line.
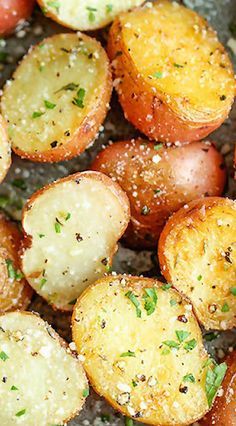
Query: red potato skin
x,y
13,11
163,180
146,111
223,412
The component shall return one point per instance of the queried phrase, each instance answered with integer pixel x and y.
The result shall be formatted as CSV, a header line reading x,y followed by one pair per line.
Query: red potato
x,y
223,412
12,12
158,181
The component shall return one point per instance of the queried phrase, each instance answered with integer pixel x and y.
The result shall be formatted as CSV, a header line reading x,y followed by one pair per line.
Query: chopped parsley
x,y
190,345
214,378
150,299
12,272
37,114
129,353
181,335
211,336
14,388
225,307
49,105
68,216
171,344
70,86
91,15
165,351
3,356
79,100
58,226
178,65
128,422
189,378
19,183
85,393
233,291
158,74
42,282
134,383
131,296
54,5
158,146
41,235
173,302
109,8
199,278
21,413
166,286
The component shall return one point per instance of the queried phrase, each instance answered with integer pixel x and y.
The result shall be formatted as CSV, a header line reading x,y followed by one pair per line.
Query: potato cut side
x,y
174,79
143,349
197,253
86,15
43,383
72,87
71,232
5,151
15,293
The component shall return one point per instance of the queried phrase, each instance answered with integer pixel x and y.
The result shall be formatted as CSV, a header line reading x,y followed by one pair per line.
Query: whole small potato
x,y
223,412
13,11
159,180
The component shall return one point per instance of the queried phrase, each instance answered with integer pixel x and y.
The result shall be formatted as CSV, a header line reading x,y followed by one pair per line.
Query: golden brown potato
x,y
174,79
15,293
85,15
60,117
223,412
42,382
159,180
5,151
197,254
143,350
71,230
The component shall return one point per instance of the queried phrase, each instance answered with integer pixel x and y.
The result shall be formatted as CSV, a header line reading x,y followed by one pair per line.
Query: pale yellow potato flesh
x,y
86,14
197,253
180,58
125,356
72,228
44,384
39,104
5,151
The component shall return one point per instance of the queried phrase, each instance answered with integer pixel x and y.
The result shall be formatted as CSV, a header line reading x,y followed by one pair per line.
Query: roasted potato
x,y
15,293
5,151
159,181
174,79
61,116
197,254
85,15
71,231
42,383
12,12
223,412
143,350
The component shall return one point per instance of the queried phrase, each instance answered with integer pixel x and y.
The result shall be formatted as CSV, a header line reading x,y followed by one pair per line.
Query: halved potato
x,y
85,15
174,79
143,350
15,293
71,231
60,117
197,254
42,383
159,180
223,412
5,151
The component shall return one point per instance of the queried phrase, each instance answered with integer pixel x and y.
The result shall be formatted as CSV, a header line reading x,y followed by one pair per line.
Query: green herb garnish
x,y
12,272
171,344
199,278
225,307
150,299
68,216
158,146
79,100
173,302
233,291
91,14
178,65
129,353
214,378
158,74
41,235
3,356
189,378
21,413
70,87
49,105
19,183
181,335
128,422
190,345
54,4
42,282
14,388
37,114
131,296
85,393
109,8
166,286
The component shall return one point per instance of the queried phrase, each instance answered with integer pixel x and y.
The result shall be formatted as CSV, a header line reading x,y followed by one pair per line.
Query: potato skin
x,y
223,412
5,150
14,294
146,109
159,180
13,11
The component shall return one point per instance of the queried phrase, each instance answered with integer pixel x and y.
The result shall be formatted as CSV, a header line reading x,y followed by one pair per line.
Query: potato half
x,y
5,151
15,293
159,180
71,231
174,79
85,15
143,350
197,254
42,383
60,117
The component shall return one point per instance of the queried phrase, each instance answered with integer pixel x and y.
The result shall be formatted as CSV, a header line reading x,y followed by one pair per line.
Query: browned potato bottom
x,y
143,350
197,254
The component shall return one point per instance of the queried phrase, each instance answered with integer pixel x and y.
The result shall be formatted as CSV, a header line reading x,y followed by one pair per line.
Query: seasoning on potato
x,y
85,15
159,180
143,350
197,254
71,230
42,382
15,293
174,78
58,98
